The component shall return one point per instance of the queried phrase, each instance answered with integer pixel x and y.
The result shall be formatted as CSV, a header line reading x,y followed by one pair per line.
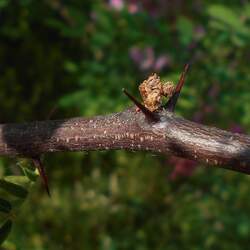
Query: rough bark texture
x,y
129,130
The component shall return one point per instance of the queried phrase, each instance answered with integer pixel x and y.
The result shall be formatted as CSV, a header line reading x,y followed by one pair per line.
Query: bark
x,y
129,130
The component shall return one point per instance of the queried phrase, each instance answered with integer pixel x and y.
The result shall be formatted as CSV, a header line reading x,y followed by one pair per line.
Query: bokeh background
x,y
74,57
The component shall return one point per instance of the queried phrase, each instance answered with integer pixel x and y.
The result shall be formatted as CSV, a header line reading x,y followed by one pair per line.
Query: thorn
x,y
150,115
182,79
52,111
170,105
38,164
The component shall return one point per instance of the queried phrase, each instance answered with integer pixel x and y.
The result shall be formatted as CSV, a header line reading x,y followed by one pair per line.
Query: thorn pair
x,y
170,105
38,164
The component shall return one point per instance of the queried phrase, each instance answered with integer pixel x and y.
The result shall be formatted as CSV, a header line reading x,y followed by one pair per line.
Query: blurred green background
x,y
75,57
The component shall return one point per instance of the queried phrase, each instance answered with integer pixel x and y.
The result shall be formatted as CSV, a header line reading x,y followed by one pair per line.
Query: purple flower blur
x,y
145,59
236,128
136,55
182,167
161,62
133,7
116,4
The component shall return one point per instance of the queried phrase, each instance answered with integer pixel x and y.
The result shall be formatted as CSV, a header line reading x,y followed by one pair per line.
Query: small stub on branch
x,y
152,91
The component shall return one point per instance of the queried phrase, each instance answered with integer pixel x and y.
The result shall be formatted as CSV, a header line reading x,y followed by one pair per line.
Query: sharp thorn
x,y
38,164
150,115
51,113
170,105
182,79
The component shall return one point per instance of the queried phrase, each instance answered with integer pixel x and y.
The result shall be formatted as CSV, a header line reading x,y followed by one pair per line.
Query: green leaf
x,y
72,99
4,3
13,189
71,67
185,30
29,172
231,19
243,229
54,23
224,14
21,181
5,230
31,175
5,206
246,10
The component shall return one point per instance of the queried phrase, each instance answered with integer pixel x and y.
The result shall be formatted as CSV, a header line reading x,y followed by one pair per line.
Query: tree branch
x,y
129,130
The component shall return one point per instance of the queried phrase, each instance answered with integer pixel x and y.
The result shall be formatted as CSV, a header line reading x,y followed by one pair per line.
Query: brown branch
x,y
129,130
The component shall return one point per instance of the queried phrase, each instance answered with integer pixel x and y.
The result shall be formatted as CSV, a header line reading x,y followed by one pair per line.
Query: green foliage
x,y
77,56
185,28
5,206
5,230
231,22
13,192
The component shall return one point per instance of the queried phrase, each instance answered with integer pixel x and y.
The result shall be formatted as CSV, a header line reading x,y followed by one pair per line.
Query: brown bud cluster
x,y
152,91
